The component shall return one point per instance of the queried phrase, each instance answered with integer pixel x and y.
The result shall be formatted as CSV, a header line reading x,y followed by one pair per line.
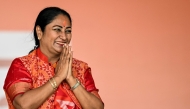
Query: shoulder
x,y
28,58
16,61
19,61
79,63
79,67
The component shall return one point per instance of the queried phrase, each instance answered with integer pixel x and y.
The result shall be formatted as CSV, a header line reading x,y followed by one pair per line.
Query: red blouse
x,y
34,70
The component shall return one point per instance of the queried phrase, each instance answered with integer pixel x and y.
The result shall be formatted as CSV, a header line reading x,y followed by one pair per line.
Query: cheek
x,y
49,39
52,36
69,36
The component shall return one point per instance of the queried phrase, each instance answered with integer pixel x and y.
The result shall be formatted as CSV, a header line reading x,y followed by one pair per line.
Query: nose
x,y
63,36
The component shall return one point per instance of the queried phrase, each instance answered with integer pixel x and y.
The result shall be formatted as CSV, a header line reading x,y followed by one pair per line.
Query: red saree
x,y
32,71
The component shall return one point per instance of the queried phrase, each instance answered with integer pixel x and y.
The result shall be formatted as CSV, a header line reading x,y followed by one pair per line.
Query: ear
x,y
39,32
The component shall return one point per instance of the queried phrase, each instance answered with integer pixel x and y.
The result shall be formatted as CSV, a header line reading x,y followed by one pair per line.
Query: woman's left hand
x,y
69,73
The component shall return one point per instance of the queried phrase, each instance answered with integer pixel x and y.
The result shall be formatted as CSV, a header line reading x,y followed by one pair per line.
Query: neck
x,y
52,58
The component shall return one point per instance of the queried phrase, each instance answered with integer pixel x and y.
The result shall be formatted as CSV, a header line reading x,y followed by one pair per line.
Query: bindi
x,y
64,23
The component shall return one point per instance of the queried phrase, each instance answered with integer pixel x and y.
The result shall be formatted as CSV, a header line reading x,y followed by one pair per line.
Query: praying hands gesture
x,y
64,66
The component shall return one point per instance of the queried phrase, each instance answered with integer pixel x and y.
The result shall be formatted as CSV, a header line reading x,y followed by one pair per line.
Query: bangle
x,y
76,85
53,84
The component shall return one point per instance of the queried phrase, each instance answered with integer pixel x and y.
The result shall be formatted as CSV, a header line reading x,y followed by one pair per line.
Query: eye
x,y
68,31
57,29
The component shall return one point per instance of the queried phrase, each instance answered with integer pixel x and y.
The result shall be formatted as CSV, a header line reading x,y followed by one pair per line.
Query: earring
x,y
38,38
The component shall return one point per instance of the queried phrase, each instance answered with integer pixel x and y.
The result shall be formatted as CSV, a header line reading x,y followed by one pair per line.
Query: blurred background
x,y
139,50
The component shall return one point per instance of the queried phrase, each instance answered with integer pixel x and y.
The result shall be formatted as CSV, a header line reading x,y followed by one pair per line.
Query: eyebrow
x,y
61,26
68,27
58,26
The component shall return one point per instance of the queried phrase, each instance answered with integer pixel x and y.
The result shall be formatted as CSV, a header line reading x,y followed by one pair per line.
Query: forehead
x,y
61,20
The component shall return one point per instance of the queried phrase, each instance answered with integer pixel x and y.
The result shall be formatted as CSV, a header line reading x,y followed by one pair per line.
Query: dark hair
x,y
45,17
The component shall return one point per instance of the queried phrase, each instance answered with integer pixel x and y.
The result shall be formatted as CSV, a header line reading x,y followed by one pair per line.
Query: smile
x,y
61,43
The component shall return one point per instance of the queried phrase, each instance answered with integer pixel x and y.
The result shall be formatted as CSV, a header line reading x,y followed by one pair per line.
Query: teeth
x,y
60,43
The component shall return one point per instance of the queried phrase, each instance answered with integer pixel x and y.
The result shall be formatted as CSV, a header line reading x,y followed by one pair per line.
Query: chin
x,y
58,50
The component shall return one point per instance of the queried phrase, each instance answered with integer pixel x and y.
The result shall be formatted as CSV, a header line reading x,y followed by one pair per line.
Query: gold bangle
x,y
53,84
76,85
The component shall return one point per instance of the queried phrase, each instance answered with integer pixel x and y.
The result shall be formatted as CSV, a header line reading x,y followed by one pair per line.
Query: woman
x,y
49,77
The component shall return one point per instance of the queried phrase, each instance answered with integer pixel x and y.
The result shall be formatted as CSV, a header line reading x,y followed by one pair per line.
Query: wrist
x,y
53,83
76,85
58,79
71,81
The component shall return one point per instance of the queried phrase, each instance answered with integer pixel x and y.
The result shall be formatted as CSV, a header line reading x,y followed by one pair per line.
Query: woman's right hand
x,y
62,67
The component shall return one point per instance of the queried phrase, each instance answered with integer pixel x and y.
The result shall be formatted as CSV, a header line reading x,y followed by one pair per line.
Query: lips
x,y
61,43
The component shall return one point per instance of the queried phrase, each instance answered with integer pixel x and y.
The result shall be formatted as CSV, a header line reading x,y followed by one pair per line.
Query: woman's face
x,y
56,34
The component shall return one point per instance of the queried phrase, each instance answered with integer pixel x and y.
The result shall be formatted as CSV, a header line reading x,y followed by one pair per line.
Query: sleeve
x,y
18,80
89,83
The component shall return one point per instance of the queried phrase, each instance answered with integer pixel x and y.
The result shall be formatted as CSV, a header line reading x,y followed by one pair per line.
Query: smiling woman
x,y
49,77
57,34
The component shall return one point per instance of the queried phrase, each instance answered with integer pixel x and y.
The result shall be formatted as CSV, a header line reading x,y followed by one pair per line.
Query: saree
x,y
33,70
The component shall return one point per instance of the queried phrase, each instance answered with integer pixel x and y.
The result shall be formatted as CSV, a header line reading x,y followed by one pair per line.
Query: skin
x,y
58,36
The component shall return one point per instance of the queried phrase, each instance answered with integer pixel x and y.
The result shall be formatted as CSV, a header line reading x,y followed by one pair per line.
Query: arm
x,y
87,99
18,86
32,99
88,96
